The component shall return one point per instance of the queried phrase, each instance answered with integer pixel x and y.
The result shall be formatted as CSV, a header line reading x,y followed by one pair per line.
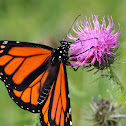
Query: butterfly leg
x,y
61,42
75,69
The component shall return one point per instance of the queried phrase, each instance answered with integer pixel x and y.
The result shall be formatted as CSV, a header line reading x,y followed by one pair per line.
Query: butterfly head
x,y
60,54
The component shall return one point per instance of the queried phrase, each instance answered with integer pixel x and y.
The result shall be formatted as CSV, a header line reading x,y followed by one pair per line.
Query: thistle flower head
x,y
94,43
106,114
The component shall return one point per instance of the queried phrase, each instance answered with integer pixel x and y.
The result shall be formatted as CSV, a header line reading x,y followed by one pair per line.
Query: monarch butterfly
x,y
36,79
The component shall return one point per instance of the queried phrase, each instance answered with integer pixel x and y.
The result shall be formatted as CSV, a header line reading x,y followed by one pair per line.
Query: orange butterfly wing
x,y
24,66
56,109
23,69
27,99
21,63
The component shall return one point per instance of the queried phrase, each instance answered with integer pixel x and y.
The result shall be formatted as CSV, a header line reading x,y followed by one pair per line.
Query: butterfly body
x,y
36,79
59,55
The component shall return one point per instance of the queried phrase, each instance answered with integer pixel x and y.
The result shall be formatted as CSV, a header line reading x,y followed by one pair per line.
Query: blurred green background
x,y
48,21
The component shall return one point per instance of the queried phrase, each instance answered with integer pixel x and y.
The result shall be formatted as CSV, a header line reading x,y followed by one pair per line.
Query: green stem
x,y
116,79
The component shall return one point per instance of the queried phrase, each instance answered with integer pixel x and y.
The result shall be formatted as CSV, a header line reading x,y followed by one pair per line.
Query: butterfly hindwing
x,y
27,99
21,63
56,109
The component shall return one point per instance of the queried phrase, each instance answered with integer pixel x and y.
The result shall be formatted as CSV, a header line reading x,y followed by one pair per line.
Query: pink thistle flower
x,y
95,43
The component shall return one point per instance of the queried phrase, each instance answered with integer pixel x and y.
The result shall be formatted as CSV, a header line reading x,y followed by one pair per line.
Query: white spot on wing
x,y
70,123
68,95
69,110
5,42
17,42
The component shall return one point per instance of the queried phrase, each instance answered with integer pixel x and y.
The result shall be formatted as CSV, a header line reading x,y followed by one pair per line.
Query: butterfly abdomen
x,y
45,89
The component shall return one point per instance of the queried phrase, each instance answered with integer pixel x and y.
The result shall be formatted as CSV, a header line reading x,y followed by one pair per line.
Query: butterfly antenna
x,y
72,25
82,52
85,40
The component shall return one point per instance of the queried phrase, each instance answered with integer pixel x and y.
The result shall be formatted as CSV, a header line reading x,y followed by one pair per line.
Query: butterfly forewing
x,y
21,63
